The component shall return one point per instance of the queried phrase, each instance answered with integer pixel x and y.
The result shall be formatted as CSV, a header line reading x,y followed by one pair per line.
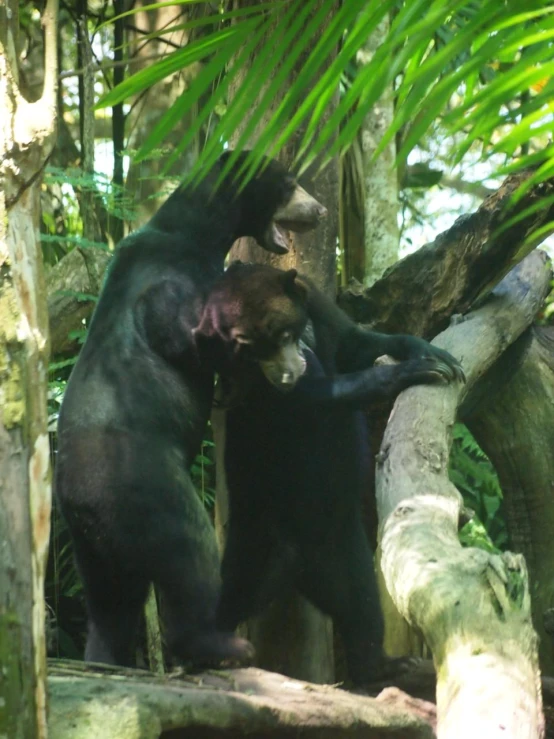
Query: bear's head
x,y
271,203
256,314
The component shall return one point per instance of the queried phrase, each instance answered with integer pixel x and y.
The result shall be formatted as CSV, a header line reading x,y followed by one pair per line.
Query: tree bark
x,y
518,388
26,138
461,266
473,608
381,233
420,294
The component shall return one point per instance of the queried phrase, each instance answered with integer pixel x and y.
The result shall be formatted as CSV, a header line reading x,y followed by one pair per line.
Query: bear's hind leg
x,y
191,634
184,564
114,605
340,580
255,570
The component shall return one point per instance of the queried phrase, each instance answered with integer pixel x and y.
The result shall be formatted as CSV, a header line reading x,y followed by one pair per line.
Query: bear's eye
x,y
286,338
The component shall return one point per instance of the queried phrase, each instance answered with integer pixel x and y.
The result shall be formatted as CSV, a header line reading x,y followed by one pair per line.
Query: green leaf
x,y
189,97
466,61
206,20
307,20
60,365
177,60
80,297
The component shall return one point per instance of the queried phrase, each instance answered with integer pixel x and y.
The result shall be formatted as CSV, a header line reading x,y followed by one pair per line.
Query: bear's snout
x,y
286,367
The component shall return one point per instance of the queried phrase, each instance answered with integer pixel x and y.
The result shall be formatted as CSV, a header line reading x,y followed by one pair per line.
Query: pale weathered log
x,y
472,608
512,418
420,294
245,702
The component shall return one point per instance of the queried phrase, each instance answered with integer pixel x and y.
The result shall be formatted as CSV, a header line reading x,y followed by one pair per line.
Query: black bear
x,y
136,408
296,456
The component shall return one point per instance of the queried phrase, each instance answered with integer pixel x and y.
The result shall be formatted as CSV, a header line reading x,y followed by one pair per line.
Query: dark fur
x,y
297,463
133,418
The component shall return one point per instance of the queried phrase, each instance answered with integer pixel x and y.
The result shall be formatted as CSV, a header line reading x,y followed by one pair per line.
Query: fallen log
x,y
129,704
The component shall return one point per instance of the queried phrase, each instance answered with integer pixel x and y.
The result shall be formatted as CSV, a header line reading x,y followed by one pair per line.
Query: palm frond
x,y
483,68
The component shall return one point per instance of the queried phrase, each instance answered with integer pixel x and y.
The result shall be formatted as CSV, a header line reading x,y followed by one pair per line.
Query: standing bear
x,y
136,408
296,452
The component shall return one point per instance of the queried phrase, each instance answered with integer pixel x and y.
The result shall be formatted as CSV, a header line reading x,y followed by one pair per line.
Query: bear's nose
x,y
287,378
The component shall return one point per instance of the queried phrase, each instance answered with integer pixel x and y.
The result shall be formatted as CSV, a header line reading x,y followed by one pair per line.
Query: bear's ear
x,y
294,285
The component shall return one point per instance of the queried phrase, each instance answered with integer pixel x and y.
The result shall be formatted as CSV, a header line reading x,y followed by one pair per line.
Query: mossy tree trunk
x,y
26,136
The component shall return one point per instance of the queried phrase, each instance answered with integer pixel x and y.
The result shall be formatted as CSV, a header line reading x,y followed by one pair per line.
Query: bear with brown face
x,y
296,456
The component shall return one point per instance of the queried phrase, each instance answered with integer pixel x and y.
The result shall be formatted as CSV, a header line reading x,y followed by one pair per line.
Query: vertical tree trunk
x,y
292,637
118,118
381,234
91,227
147,183
26,136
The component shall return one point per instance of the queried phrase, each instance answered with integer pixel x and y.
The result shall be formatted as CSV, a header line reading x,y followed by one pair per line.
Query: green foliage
x,y
62,224
473,474
203,472
61,218
484,67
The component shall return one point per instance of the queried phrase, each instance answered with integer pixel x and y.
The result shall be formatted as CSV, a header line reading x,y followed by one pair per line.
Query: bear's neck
x,y
206,221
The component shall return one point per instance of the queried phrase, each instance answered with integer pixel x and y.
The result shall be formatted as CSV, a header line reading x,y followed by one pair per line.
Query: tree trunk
x,y
513,422
91,227
26,137
118,120
472,608
380,179
148,185
421,293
